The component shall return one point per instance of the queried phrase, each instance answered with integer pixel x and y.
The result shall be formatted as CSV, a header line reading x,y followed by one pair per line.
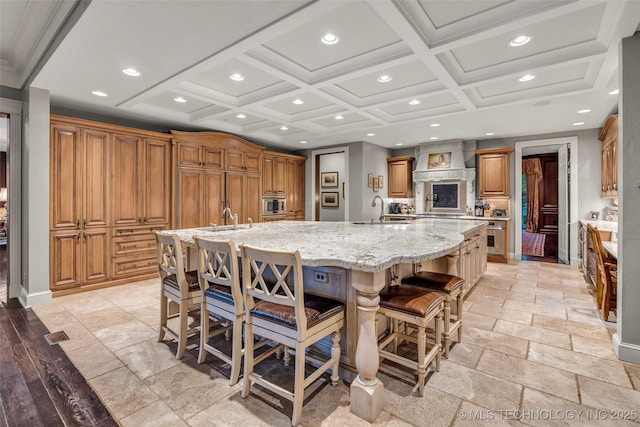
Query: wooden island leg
x,y
367,391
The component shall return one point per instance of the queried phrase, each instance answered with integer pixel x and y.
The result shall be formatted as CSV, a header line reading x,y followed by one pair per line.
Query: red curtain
x,y
533,170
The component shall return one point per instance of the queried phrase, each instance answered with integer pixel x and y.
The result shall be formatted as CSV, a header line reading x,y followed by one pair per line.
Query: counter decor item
x,y
594,215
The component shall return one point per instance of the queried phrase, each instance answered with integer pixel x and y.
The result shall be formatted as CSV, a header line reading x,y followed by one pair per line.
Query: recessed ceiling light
x,y
99,93
131,72
527,77
520,41
398,143
339,117
330,39
578,123
434,125
303,142
241,116
371,134
284,128
298,101
414,102
586,110
384,78
180,99
236,77
489,133
614,92
433,137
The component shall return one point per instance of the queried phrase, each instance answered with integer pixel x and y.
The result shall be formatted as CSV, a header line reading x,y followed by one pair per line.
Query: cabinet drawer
x,y
136,244
147,232
128,266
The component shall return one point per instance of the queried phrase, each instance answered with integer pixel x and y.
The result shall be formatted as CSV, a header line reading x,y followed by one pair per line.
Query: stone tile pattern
x,y
534,352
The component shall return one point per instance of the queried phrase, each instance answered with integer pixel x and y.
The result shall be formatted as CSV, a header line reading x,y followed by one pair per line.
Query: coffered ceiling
x,y
453,59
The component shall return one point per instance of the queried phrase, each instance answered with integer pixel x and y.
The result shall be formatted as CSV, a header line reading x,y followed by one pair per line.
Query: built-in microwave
x,y
274,206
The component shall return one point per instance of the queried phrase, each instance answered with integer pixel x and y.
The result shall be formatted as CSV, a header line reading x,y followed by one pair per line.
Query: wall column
x,y
35,199
626,340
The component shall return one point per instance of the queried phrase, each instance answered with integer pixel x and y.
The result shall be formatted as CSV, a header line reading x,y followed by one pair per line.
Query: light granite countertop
x,y
602,225
365,247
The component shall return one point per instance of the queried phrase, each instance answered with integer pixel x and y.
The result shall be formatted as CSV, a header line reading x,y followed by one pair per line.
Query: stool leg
x,y
422,365
182,336
248,360
447,324
335,355
204,331
438,333
164,302
459,304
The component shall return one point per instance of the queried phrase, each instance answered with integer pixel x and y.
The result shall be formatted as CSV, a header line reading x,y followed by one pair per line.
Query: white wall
x,y
374,161
335,162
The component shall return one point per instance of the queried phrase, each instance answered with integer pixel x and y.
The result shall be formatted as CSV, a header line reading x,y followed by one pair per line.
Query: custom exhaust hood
x,y
443,183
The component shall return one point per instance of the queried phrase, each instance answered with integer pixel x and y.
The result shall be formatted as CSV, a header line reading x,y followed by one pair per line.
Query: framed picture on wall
x,y
380,181
370,180
439,160
330,199
329,179
375,184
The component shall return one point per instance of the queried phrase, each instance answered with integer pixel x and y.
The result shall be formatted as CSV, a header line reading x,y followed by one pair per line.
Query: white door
x,y
563,204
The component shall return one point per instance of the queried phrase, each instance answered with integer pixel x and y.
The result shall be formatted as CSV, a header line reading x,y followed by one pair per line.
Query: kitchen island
x,y
350,261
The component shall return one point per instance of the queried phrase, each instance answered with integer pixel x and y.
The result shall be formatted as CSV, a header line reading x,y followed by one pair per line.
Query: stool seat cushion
x,y
220,292
316,309
440,282
192,280
410,300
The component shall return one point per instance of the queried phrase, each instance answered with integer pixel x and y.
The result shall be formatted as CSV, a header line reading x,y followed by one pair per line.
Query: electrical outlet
x,y
320,277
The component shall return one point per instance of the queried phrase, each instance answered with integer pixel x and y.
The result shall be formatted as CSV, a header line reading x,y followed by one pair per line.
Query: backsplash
x,y
497,204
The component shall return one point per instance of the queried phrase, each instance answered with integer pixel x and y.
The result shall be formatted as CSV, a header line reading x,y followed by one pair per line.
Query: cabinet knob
x,y
144,219
78,223
78,237
140,220
84,223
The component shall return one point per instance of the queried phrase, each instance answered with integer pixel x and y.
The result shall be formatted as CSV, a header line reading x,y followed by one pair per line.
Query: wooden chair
x,y
607,276
416,308
177,285
279,310
222,301
451,289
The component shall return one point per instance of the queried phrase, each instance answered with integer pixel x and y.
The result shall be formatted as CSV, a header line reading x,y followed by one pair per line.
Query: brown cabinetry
x,y
494,172
201,200
400,177
105,180
295,189
609,165
273,175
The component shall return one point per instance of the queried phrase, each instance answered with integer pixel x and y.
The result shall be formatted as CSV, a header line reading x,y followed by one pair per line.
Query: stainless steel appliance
x,y
479,207
496,238
274,206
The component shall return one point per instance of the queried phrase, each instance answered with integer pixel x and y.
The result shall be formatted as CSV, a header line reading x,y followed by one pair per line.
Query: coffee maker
x,y
479,207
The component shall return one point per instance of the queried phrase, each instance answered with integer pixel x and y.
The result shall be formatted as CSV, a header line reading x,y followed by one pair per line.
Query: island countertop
x,y
364,247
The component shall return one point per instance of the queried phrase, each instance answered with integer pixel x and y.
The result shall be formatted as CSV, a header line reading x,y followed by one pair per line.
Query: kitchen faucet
x,y
232,215
381,206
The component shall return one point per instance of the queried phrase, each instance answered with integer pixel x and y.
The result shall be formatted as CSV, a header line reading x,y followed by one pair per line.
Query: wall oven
x,y
274,206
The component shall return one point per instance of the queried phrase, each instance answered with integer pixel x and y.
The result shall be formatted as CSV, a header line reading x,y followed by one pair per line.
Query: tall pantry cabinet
x,y
109,192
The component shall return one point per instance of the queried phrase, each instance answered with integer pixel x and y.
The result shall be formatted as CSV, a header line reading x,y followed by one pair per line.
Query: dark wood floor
x,y
39,386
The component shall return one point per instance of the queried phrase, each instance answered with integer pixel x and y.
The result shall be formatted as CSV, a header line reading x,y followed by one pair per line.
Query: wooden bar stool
x,y
414,307
451,288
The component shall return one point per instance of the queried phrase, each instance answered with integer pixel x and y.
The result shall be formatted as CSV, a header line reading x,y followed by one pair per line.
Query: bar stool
x,y
451,288
414,307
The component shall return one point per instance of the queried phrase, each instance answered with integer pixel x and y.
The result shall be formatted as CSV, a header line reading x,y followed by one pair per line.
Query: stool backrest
x,y
171,261
276,277
218,264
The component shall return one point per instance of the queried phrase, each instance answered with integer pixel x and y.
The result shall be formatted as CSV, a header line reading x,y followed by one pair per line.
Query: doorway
x,y
329,184
566,212
4,265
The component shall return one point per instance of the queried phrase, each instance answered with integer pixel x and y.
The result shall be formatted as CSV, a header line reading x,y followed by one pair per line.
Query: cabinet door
x,y
398,179
494,174
213,196
267,176
189,195
96,194
235,161
252,162
292,188
66,180
96,255
126,180
189,155
279,176
254,199
236,198
614,166
212,158
65,255
156,190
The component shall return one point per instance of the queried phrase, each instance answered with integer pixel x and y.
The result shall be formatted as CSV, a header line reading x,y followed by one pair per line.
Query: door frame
x,y
315,178
573,193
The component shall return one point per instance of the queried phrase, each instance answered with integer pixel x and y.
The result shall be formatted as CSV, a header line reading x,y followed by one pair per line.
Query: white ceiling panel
x,y
167,100
426,103
219,78
347,119
310,103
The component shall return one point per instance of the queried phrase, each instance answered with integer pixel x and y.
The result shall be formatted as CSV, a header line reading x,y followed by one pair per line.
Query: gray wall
x,y
334,162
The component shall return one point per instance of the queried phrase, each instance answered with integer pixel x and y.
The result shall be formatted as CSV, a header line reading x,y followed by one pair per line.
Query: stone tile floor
x,y
534,352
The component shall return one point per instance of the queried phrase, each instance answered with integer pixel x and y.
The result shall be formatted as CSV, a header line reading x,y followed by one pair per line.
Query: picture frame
x,y
380,181
594,215
375,185
370,180
330,199
329,179
439,160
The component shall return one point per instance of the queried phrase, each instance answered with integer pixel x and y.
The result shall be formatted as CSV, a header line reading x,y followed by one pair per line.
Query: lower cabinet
x,y
472,260
133,251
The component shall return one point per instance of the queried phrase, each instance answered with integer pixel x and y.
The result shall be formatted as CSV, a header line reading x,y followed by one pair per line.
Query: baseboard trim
x,y
625,351
28,300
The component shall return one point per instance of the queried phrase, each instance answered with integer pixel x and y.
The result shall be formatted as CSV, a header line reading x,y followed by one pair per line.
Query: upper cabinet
x,y
400,177
494,172
609,166
273,174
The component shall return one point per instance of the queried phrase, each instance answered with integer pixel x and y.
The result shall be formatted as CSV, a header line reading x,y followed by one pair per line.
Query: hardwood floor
x,y
39,386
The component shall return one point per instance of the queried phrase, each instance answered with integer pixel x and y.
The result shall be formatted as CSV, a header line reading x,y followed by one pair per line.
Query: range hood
x,y
444,162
